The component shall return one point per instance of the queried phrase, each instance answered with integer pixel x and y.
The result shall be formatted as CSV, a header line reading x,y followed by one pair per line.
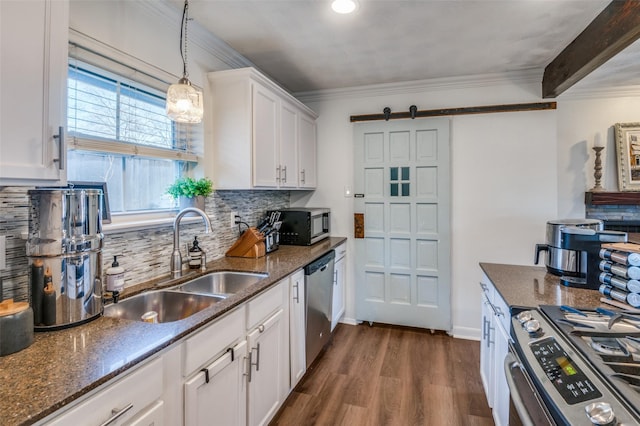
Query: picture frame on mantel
x,y
627,136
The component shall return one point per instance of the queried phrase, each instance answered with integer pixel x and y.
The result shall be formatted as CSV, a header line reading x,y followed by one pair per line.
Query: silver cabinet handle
x,y
335,277
278,174
249,367
498,311
61,153
303,175
296,298
257,363
116,414
485,287
284,171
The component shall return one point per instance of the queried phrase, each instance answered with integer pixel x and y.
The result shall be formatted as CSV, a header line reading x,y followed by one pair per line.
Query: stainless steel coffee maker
x,y
561,261
64,248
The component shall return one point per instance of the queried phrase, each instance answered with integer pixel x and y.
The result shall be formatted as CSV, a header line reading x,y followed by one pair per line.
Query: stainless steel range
x,y
584,365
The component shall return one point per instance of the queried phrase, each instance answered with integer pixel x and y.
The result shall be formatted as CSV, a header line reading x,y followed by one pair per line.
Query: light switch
x,y
3,252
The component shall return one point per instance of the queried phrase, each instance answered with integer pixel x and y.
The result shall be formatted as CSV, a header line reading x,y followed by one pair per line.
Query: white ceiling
x,y
305,46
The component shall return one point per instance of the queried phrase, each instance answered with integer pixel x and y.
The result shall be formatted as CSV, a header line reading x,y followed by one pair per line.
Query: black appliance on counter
x,y
582,367
588,241
303,226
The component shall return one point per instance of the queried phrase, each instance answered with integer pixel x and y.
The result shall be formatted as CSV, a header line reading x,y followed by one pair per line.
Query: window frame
x,y
129,69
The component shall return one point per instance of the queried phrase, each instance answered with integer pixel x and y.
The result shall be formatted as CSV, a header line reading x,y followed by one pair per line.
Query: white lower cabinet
x,y
218,391
127,401
214,364
268,346
339,285
297,328
493,350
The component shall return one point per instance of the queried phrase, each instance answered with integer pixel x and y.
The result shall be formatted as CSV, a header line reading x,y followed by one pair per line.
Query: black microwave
x,y
304,226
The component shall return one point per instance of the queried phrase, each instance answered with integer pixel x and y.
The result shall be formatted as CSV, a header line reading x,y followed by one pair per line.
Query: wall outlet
x,y
233,219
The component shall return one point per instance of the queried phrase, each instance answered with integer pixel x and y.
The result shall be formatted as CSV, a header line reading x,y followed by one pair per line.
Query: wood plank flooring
x,y
386,375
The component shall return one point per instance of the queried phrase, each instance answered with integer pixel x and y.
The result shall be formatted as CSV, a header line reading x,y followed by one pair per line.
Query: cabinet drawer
x,y
138,389
259,308
502,311
213,340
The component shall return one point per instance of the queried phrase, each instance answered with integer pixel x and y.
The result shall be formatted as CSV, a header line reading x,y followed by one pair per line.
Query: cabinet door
x,y
288,150
307,153
297,328
487,345
268,369
501,389
223,397
339,289
266,169
33,73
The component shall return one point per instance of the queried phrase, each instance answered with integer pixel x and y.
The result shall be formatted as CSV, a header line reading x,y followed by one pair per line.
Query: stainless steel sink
x,y
223,282
168,305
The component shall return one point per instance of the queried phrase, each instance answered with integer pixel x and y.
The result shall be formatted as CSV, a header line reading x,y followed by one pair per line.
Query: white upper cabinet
x,y
307,152
262,137
33,83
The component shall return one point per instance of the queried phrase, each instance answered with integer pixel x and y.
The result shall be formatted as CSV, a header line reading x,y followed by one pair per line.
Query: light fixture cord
x,y
183,38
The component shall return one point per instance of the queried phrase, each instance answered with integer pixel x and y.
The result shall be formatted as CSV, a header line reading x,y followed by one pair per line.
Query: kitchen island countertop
x,y
62,366
531,286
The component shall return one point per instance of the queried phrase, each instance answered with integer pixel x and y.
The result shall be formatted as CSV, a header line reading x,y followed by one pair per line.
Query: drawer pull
x,y
232,353
61,148
116,414
206,374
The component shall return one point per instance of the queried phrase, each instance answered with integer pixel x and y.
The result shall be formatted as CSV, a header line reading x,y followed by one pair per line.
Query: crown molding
x,y
198,35
600,93
529,76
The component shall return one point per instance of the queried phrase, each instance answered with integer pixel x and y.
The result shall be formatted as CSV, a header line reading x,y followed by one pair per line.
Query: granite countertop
x,y
531,286
61,366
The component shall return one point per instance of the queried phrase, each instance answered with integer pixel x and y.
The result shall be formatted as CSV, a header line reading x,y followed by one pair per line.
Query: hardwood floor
x,y
386,375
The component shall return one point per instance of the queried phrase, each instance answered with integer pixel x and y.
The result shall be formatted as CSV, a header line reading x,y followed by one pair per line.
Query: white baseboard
x,y
466,333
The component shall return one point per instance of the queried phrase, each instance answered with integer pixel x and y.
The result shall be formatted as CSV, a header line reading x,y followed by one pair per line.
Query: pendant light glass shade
x,y
184,102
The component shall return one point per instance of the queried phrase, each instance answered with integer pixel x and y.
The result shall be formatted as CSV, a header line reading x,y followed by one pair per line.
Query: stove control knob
x,y
601,413
533,328
523,317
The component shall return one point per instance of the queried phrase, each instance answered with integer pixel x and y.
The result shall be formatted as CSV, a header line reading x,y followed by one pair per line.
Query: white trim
x,y
130,222
600,93
116,147
466,333
530,76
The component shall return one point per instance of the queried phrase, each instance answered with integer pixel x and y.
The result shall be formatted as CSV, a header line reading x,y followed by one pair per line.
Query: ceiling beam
x,y
615,28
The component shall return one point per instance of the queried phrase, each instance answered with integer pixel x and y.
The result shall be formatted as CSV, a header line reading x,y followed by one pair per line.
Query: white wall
x,y
504,175
580,122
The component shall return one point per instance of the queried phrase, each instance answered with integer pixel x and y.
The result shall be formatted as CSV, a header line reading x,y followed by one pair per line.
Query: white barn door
x,y
402,186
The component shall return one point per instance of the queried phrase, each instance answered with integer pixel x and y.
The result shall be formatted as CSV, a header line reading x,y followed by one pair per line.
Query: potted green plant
x,y
191,192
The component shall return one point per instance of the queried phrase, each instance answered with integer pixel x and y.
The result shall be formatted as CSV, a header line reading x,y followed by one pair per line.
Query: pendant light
x,y
184,102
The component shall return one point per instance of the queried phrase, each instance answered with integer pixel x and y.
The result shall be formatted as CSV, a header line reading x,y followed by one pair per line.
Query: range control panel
x,y
572,391
567,378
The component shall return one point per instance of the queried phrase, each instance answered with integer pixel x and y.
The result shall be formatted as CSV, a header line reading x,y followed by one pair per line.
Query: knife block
x,y
250,244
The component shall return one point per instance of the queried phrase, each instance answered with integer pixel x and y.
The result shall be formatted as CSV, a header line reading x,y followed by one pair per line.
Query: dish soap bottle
x,y
115,276
195,255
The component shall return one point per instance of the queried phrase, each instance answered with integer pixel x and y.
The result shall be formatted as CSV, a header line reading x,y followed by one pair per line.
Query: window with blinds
x,y
119,133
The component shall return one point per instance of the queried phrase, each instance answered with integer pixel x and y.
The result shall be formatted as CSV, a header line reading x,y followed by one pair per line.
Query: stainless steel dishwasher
x,y
318,283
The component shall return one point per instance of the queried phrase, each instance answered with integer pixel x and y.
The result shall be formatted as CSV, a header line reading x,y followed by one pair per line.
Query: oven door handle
x,y
511,363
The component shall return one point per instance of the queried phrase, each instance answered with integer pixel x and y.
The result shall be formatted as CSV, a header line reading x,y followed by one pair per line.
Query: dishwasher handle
x,y
320,264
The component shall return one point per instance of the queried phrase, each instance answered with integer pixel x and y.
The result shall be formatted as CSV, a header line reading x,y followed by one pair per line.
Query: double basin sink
x,y
183,300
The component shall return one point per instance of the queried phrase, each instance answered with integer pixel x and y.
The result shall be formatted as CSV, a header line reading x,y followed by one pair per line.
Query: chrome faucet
x,y
176,256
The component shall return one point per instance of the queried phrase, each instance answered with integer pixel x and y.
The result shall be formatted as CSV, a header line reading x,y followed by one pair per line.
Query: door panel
x,y
403,262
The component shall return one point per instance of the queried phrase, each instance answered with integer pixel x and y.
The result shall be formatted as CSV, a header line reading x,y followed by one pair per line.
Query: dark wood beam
x,y
456,111
615,28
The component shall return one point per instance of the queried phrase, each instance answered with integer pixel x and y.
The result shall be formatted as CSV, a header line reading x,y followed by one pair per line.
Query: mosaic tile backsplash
x,y
145,254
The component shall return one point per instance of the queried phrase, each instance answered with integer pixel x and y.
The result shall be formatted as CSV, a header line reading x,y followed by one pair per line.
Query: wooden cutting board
x,y
628,247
